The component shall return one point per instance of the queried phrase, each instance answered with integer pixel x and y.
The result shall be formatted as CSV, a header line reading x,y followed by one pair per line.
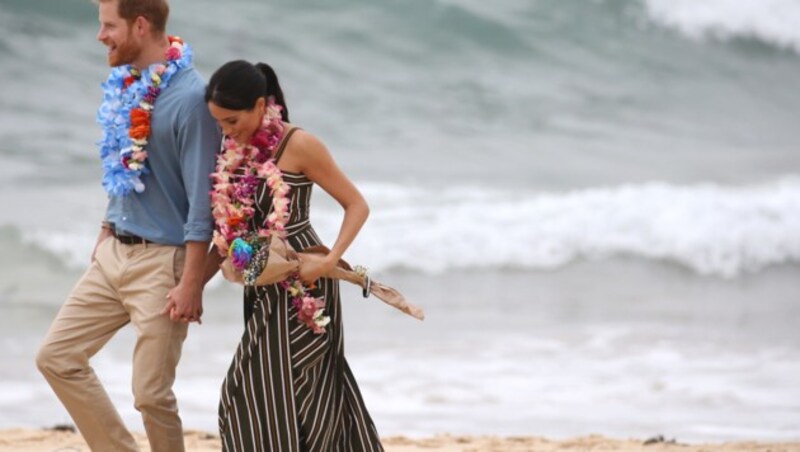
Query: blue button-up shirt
x,y
175,206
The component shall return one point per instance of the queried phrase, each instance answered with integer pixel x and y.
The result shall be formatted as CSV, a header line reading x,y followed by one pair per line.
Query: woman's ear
x,y
261,105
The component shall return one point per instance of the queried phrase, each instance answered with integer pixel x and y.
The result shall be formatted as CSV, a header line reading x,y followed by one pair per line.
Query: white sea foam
x,y
711,229
521,386
507,384
773,21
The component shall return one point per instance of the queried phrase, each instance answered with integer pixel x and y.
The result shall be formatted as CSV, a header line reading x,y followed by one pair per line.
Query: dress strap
x,y
282,146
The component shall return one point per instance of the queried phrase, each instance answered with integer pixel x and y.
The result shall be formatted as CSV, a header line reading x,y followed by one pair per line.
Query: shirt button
x,y
124,218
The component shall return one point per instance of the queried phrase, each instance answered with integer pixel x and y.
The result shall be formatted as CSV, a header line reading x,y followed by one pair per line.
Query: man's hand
x,y
185,303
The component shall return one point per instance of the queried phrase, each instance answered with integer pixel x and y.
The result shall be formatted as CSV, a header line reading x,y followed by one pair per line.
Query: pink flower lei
x,y
240,168
238,173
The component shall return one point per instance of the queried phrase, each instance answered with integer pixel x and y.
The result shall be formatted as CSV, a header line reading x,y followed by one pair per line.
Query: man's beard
x,y
125,53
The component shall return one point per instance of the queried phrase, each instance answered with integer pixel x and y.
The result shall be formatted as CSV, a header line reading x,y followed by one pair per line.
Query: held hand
x,y
184,304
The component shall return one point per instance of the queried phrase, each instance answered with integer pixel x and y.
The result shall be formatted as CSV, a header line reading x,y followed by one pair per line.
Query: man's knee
x,y
45,359
53,360
147,400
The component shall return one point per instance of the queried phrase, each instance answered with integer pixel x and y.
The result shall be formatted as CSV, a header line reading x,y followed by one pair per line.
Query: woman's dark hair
x,y
238,84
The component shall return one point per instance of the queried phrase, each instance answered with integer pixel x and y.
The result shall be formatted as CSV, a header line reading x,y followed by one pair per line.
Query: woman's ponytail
x,y
274,88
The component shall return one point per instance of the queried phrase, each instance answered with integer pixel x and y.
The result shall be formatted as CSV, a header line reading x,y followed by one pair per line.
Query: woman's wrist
x,y
330,260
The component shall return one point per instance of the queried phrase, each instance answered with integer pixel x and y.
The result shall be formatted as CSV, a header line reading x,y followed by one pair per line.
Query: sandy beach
x,y
198,441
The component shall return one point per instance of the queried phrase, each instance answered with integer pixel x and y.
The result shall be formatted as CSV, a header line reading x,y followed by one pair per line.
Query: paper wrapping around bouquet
x,y
283,260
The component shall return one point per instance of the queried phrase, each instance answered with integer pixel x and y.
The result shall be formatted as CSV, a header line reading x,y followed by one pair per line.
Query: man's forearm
x,y
212,264
194,267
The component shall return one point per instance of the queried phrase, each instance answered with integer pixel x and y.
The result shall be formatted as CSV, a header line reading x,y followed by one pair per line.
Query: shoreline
x,y
61,438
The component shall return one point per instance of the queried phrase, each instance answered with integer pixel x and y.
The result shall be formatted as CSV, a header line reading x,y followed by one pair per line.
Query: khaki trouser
x,y
126,283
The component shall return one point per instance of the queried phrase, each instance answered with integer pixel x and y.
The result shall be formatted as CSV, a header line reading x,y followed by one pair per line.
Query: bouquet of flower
x,y
281,261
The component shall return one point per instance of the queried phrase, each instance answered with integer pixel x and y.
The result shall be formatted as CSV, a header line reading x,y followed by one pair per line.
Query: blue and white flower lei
x,y
114,115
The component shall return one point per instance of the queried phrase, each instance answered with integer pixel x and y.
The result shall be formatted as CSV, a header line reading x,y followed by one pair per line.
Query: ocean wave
x,y
711,229
772,21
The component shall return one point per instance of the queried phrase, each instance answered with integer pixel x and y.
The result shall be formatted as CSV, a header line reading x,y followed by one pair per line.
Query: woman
x,y
289,386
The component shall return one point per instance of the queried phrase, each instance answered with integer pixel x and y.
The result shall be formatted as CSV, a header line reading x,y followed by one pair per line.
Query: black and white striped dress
x,y
289,389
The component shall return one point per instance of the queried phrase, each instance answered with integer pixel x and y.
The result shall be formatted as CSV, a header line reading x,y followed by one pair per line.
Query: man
x,y
158,150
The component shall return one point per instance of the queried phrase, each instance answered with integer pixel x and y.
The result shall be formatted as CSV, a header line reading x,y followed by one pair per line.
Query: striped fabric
x,y
289,389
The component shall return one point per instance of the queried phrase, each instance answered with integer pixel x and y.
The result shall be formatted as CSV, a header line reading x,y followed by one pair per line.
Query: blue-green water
x,y
598,203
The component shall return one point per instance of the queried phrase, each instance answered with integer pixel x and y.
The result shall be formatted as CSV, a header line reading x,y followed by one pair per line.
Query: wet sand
x,y
49,440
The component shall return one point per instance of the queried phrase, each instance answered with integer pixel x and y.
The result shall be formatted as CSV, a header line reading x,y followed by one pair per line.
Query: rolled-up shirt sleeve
x,y
199,139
